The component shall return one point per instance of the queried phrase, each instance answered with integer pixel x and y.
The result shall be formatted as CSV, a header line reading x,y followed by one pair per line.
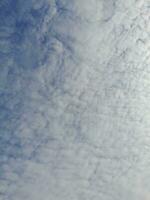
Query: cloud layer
x,y
74,99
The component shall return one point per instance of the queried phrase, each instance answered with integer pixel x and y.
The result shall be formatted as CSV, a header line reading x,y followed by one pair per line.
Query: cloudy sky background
x,y
74,99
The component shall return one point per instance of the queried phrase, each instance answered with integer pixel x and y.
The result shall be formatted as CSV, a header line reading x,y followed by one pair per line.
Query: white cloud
x,y
74,120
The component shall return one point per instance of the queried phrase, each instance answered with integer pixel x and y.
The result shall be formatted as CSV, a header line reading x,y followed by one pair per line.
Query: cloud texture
x,y
74,99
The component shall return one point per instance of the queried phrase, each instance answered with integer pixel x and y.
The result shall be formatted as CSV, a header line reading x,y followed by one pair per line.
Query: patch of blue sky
x,y
20,54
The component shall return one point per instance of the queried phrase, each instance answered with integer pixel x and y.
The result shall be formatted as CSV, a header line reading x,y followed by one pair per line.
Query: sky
x,y
74,99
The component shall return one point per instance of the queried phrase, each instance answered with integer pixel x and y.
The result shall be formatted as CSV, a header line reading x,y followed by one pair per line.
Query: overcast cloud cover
x,y
74,99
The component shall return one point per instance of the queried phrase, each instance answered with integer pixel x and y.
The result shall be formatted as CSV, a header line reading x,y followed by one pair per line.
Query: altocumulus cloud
x,y
74,99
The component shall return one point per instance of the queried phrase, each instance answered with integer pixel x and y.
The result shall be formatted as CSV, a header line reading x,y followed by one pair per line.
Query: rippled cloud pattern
x,y
74,99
